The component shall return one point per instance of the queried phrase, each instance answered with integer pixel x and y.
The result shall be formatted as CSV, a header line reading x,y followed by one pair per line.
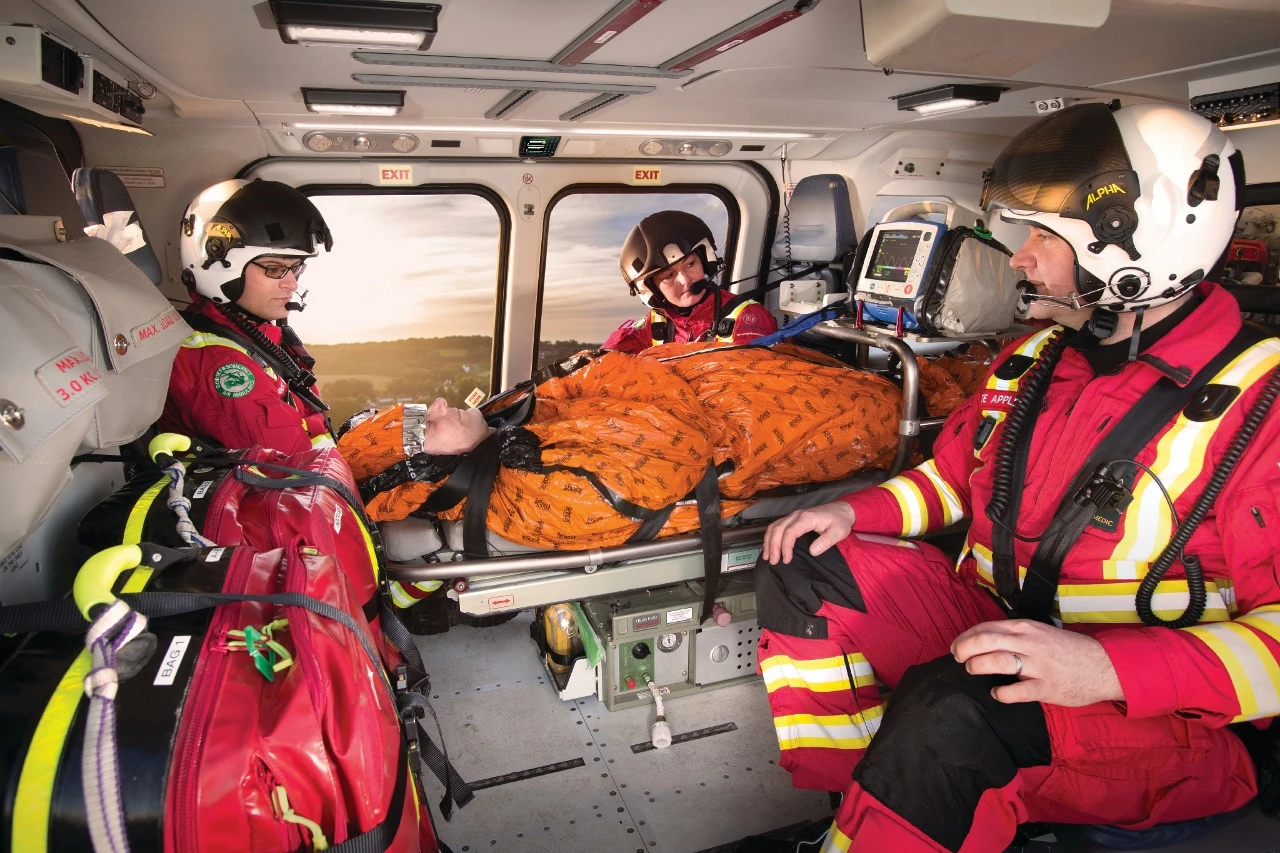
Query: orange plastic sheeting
x,y
375,444
790,415
638,428
967,367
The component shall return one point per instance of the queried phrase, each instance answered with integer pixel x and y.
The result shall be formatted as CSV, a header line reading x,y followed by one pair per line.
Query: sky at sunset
x,y
426,265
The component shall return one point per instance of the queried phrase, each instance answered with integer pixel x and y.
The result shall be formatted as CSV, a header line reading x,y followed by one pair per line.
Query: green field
x,y
376,374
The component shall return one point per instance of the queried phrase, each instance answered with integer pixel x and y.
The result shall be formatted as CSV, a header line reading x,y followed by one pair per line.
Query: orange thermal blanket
x,y
648,426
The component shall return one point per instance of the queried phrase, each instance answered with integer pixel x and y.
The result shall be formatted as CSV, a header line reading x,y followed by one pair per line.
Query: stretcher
x,y
521,578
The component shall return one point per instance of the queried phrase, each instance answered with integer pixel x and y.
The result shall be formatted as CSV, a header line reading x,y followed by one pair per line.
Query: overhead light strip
x,y
742,32
490,63
593,131
604,30
366,23
510,102
497,83
586,108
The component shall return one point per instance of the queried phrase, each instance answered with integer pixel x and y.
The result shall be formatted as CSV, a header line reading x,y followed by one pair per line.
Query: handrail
x,y
554,560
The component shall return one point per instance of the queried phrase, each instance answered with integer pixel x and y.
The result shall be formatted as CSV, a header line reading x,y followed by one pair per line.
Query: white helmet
x,y
1141,193
235,222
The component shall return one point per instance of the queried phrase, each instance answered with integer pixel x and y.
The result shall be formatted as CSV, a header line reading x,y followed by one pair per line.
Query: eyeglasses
x,y
279,271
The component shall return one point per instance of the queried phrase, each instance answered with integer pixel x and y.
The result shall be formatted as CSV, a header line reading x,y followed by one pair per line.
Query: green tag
x,y
982,233
233,380
264,662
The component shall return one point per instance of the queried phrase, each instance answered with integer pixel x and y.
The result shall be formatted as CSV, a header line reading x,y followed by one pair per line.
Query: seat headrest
x,y
33,183
821,224
106,204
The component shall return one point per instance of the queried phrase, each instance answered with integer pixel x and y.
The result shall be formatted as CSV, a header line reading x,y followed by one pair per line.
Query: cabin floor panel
x,y
500,716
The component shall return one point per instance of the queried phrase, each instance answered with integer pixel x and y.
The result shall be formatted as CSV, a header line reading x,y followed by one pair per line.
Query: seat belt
x,y
1098,485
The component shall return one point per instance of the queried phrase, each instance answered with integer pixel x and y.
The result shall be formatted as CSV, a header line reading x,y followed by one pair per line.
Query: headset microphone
x,y
301,303
699,286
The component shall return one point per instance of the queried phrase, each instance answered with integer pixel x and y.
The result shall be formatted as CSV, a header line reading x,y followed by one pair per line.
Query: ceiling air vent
x,y
538,146
750,147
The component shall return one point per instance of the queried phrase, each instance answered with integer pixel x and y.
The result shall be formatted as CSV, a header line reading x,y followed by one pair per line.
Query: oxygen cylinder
x,y
564,639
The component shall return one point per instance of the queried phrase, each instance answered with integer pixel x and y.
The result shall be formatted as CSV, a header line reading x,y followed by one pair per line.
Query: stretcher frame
x,y
503,584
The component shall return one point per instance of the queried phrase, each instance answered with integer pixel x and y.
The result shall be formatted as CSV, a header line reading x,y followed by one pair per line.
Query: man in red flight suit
x,y
673,255
1112,709
242,377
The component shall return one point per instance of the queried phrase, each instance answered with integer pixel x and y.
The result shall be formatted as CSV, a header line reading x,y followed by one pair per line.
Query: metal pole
x,y
545,561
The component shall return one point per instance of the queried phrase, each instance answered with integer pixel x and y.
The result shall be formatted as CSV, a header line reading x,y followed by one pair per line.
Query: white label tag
x,y
214,556
337,519
475,398
69,375
684,614
172,660
148,177
397,175
203,489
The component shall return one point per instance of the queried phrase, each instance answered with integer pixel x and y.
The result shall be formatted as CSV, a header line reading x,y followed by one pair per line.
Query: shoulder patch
x,y
233,380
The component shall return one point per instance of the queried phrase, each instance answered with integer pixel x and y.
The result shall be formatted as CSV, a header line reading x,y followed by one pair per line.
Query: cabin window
x,y
584,297
404,308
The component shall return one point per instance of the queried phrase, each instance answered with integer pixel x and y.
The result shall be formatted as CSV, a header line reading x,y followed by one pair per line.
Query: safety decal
x,y
233,380
169,666
69,376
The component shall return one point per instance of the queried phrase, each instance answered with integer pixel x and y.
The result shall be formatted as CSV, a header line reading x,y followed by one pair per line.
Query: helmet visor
x,y
1047,166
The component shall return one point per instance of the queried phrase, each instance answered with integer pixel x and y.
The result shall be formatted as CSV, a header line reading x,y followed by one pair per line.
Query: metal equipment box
x,y
656,633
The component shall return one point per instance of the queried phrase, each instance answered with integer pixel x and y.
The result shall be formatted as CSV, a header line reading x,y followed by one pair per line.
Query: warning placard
x,y
146,177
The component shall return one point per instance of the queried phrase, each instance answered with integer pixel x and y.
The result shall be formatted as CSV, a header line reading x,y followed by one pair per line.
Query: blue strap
x,y
798,326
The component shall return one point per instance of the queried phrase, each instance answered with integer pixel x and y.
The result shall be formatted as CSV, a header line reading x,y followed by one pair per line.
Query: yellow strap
x,y
32,803
280,798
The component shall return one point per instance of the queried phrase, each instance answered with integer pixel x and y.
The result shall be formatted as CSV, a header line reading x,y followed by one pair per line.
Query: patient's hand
x,y
832,522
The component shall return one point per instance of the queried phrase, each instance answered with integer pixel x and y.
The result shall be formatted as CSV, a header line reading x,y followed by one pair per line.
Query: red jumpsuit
x,y
750,320
218,390
1161,755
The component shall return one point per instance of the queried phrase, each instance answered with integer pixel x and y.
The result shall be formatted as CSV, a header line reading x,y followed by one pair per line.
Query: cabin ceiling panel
x,y
1143,38
532,29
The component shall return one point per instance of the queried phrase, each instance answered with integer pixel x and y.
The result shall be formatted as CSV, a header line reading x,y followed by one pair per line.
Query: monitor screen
x,y
894,253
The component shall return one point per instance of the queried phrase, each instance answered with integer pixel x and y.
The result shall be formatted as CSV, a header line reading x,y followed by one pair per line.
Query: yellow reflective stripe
x,y
821,675
1179,463
837,841
1255,675
200,340
1031,348
401,598
838,731
733,315
952,510
138,515
1113,603
31,805
1264,619
322,440
915,515
368,544
983,557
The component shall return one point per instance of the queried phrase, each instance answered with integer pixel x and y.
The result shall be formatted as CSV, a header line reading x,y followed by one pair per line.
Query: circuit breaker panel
x,y
655,633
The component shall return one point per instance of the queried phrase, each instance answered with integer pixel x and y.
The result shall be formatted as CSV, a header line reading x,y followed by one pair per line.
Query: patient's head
x,y
449,431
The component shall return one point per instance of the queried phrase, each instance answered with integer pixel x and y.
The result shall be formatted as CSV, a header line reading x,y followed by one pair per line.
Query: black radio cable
x,y
1198,596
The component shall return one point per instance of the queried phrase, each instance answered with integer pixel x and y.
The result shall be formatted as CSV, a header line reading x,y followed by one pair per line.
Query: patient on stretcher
x,y
612,451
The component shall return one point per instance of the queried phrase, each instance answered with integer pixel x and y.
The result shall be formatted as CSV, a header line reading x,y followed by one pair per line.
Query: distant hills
x,y
377,374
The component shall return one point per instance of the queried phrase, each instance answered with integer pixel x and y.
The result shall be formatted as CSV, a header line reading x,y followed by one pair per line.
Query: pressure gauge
x,y
670,642
318,142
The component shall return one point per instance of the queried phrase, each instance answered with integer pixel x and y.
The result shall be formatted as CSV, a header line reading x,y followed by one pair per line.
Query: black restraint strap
x,y
652,526
1125,440
708,494
475,536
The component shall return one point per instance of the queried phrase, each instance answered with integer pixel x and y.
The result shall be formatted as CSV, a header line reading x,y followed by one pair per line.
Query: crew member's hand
x,y
1058,667
832,522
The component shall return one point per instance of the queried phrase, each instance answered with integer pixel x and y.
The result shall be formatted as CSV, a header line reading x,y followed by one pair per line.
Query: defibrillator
x,y
940,278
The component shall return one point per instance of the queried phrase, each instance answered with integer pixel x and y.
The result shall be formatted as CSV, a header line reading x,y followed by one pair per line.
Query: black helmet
x,y
237,221
661,240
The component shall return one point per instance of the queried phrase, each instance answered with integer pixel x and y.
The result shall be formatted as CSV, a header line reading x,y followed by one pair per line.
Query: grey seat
x,y
105,201
819,228
32,183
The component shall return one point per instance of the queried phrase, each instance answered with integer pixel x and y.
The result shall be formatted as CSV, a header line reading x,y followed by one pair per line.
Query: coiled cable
x,y
1031,391
1198,596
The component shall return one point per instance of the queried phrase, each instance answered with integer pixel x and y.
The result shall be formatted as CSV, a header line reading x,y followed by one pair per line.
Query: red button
x,y
631,683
